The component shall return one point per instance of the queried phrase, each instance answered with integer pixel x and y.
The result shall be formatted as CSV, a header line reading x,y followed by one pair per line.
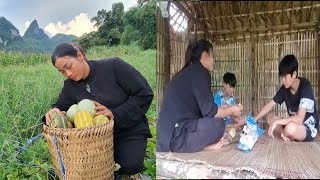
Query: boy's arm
x,y
306,105
298,118
217,99
265,110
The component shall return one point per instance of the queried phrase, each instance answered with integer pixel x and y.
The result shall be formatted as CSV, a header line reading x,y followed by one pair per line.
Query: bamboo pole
x,y
254,71
318,65
166,50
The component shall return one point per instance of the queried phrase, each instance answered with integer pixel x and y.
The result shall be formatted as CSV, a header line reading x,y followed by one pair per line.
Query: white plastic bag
x,y
250,134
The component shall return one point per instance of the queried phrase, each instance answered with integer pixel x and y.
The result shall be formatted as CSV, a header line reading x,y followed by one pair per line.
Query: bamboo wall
x,y
179,43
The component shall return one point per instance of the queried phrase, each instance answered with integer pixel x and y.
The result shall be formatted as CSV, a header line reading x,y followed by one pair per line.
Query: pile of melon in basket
x,y
79,115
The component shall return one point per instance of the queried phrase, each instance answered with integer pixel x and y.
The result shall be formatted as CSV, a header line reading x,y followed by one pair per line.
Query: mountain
x,y
61,38
35,32
34,39
8,32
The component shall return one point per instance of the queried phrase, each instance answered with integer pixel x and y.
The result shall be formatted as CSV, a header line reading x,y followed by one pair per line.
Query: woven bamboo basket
x,y
86,153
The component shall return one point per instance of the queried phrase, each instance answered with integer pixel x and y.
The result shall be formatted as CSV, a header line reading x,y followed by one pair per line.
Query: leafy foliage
x,y
143,19
135,26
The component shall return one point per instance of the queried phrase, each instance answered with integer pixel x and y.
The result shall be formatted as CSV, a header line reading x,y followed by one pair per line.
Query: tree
x,y
143,19
102,16
88,40
130,35
116,26
110,25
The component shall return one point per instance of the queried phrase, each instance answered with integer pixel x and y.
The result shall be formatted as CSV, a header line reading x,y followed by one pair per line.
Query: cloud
x,y
26,25
78,26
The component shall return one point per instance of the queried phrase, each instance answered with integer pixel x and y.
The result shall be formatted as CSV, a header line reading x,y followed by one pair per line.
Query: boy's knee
x,y
271,118
290,128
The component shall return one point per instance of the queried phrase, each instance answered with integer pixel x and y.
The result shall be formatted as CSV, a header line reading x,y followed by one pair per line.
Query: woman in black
x,y
119,91
189,121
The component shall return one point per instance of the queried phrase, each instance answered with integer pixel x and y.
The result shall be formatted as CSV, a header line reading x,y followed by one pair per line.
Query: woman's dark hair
x,y
288,65
195,49
66,49
230,78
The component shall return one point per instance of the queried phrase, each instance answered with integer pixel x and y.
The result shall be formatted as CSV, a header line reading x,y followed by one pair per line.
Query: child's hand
x,y
271,129
241,120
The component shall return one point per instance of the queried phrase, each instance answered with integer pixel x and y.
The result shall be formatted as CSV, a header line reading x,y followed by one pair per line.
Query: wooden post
x,y
254,77
318,68
166,51
280,54
195,30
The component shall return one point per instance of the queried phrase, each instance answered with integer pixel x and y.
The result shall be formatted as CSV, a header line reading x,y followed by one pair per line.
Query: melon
x,y
100,119
82,119
232,132
59,121
87,105
72,112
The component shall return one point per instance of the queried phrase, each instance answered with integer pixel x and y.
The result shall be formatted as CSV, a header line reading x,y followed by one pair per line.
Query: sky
x,y
57,16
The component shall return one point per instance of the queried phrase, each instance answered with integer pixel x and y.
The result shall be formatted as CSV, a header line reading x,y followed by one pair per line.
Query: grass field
x,y
29,85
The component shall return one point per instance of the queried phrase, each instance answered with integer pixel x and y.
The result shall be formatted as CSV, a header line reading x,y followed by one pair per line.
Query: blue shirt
x,y
223,102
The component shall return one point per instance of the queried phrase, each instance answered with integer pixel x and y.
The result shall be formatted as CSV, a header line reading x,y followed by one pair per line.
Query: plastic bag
x,y
250,134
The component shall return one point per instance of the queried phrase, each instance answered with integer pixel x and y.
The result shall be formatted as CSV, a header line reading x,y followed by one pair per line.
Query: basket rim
x,y
46,128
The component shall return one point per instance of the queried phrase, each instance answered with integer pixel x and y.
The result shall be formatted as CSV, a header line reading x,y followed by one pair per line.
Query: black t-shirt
x,y
302,98
187,99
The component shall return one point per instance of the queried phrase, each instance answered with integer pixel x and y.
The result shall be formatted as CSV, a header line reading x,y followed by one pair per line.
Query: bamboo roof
x,y
221,20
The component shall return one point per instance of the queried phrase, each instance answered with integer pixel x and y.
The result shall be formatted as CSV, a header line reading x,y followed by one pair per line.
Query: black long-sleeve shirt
x,y
187,99
118,86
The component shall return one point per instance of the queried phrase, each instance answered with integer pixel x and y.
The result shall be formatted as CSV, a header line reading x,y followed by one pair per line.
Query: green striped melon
x,y
59,121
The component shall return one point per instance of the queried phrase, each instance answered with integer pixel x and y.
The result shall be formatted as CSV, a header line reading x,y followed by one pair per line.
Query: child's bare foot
x,y
285,138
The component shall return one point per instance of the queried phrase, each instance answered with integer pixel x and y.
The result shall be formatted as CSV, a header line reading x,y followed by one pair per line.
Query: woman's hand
x,y
101,109
50,114
237,110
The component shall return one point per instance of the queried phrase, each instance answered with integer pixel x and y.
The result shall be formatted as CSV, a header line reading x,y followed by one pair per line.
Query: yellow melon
x,y
100,119
82,119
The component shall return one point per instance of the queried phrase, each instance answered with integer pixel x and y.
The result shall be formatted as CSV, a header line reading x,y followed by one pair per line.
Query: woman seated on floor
x,y
189,121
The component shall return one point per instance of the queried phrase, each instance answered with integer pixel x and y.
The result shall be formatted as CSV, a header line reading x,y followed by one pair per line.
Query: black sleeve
x,y
140,95
279,97
64,101
202,92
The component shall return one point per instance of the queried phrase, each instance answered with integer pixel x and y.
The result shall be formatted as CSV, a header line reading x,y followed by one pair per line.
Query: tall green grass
x,y
29,87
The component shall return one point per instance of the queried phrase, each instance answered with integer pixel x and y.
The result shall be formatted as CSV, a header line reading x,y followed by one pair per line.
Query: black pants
x,y
129,154
208,131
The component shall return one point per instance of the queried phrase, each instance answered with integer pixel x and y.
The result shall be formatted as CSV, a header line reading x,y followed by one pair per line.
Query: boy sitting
x,y
225,98
297,93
